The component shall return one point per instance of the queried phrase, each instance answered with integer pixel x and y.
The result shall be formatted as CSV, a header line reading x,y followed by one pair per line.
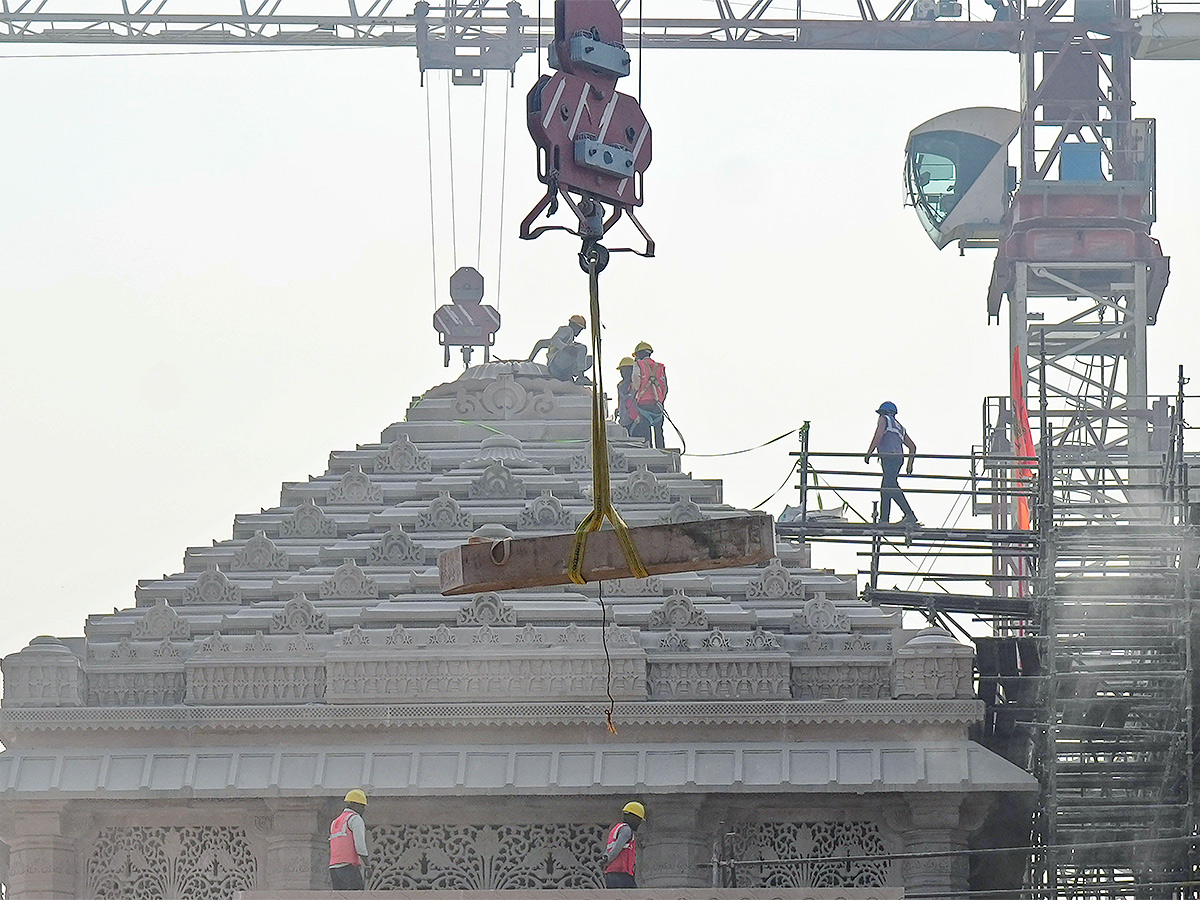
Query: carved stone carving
x,y
126,688
633,587
299,616
502,448
402,455
442,636
214,644
619,636
545,512
353,637
308,521
497,482
398,637
572,634
396,549
486,857
823,843
729,676
641,486
820,616
677,611
504,398
684,510
350,582
444,514
124,650
674,641
356,487
715,640
842,681
149,863
46,673
238,678
212,587
467,673
161,621
259,554
762,640
528,635
933,665
487,609
486,634
617,460
259,644
775,582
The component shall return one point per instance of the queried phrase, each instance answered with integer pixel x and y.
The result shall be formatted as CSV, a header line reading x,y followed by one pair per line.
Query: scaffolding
x,y
1086,672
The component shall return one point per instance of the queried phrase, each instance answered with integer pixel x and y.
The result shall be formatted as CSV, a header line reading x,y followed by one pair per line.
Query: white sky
x,y
216,269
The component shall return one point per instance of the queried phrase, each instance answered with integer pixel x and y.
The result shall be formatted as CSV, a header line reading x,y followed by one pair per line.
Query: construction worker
x,y
620,855
626,408
566,358
348,845
890,442
649,386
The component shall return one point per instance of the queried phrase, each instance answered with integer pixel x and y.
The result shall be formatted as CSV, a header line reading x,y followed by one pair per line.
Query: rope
x,y
747,450
782,485
602,507
482,174
503,182
612,701
432,217
453,201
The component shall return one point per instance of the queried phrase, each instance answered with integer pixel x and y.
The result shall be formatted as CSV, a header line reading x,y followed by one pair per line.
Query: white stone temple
x,y
198,741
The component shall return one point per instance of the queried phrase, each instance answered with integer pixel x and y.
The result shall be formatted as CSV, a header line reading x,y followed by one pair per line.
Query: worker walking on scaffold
x,y
890,442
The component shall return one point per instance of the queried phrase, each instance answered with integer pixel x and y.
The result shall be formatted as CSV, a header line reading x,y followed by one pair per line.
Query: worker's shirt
x,y
358,830
564,337
892,442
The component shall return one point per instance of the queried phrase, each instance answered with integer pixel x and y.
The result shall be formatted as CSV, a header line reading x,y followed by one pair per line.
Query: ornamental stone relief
x,y
502,448
737,677
161,621
348,581
774,841
684,510
355,486
775,582
135,688
228,680
504,398
633,587
677,612
842,681
933,679
185,863
412,675
259,554
212,587
308,521
617,460
545,512
396,548
486,857
46,673
487,609
497,482
641,486
444,514
820,616
402,455
299,616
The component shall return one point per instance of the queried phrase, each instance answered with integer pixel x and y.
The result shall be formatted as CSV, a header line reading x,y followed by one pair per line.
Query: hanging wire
x,y
612,701
482,173
432,216
503,182
453,201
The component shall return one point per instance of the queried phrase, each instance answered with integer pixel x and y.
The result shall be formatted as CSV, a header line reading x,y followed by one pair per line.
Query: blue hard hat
x,y
887,408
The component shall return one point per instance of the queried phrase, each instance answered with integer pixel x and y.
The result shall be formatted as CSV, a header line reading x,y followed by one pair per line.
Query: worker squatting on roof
x,y
348,845
566,358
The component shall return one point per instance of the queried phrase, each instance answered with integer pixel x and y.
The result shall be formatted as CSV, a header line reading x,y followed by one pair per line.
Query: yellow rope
x,y
601,487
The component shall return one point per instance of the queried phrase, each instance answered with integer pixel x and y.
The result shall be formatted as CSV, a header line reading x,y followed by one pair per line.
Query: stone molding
x,y
642,486
299,616
913,713
402,456
444,514
212,587
259,554
503,398
677,611
497,482
545,512
349,581
775,583
161,621
356,487
44,674
396,548
308,521
720,675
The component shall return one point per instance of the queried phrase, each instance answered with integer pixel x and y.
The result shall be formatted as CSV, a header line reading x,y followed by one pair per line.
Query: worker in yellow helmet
x,y
348,845
566,358
649,394
626,408
620,854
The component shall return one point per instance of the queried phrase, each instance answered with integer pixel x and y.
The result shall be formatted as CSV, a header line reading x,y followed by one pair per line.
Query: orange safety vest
x,y
627,858
652,382
341,841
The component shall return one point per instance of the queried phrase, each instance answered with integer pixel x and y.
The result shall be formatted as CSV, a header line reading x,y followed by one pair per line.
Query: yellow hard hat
x,y
627,361
578,320
636,808
643,346
356,796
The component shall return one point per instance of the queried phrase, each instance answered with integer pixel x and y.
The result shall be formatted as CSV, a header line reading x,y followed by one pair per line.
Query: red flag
x,y
1022,440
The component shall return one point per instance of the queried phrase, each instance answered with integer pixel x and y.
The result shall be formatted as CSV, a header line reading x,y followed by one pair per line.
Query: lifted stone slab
x,y
542,561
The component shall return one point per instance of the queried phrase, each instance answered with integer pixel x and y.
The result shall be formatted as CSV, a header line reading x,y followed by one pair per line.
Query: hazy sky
x,y
217,269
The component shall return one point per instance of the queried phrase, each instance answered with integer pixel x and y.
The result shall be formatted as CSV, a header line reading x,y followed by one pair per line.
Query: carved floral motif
x,y
775,582
641,486
396,548
733,678
633,587
684,510
497,482
504,398
150,863
402,455
161,621
355,486
545,512
820,616
212,587
678,611
444,514
822,843
299,616
259,554
487,609
308,521
349,581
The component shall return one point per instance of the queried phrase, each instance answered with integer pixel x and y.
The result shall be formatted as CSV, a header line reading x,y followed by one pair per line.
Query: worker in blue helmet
x,y
890,442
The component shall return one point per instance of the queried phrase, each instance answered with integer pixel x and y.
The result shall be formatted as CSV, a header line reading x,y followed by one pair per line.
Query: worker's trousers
x,y
890,489
347,878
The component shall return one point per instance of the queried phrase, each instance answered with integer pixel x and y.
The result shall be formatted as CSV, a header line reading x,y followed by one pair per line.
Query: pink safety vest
x,y
341,841
627,858
652,387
